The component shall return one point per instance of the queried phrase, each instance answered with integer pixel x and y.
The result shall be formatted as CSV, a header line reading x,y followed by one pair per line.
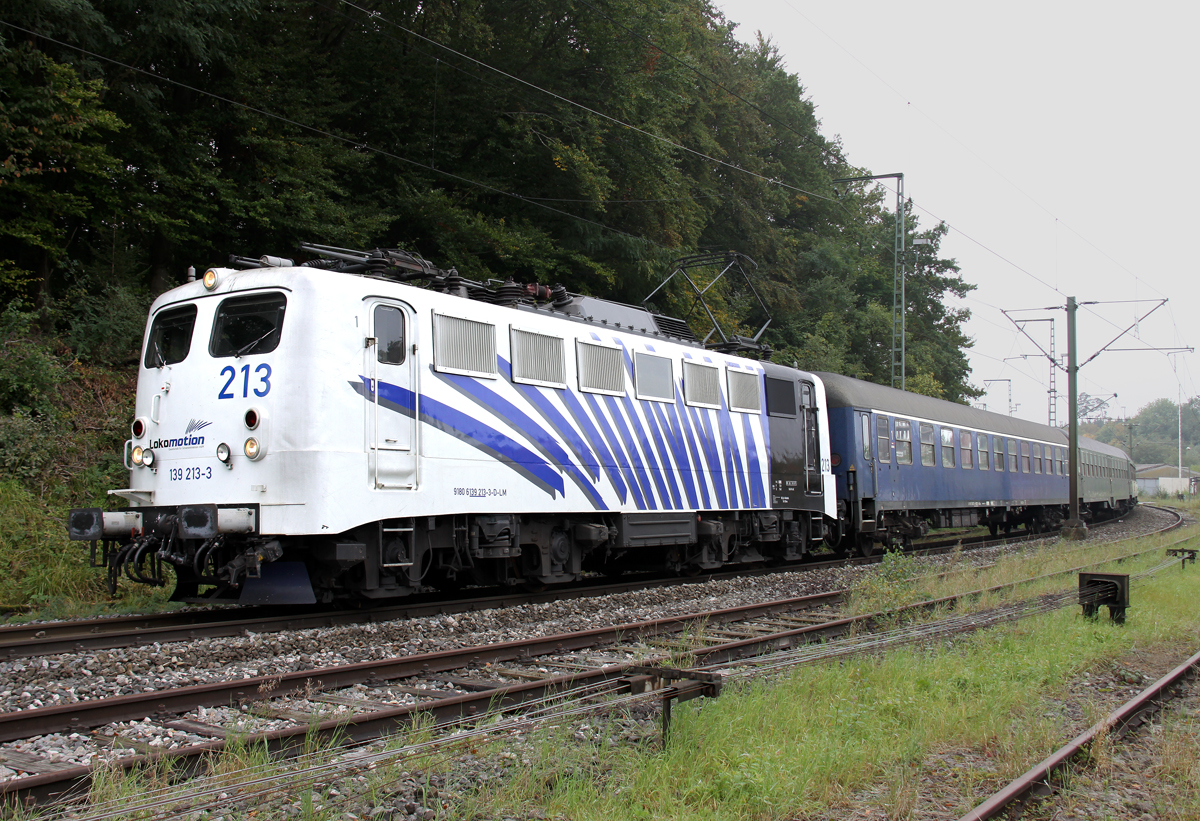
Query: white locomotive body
x,y
309,434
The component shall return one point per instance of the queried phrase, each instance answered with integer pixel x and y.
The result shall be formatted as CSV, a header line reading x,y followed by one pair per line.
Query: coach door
x,y
392,402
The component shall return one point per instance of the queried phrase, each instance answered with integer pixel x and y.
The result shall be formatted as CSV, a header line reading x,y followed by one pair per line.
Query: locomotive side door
x,y
392,403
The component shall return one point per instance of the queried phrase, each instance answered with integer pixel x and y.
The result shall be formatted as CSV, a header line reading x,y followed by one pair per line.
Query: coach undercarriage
x,y
897,528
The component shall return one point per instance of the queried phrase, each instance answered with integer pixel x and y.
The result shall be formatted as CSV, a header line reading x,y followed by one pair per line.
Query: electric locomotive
x,y
362,425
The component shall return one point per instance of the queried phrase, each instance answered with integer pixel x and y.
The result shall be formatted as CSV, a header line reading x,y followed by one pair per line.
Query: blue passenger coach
x,y
904,463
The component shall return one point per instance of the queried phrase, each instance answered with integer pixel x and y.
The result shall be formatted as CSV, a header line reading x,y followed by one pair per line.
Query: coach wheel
x,y
993,528
833,534
865,545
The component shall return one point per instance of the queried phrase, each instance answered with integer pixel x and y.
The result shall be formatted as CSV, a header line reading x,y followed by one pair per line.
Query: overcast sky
x,y
1058,142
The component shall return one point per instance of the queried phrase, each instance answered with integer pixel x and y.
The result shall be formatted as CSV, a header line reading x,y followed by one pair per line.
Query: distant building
x,y
1162,479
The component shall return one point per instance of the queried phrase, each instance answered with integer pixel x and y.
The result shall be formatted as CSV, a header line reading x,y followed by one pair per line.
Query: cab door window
x,y
389,334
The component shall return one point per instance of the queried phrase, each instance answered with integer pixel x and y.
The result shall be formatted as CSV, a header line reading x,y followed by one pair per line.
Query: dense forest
x,y
583,142
587,143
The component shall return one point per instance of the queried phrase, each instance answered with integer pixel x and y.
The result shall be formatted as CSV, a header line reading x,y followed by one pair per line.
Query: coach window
x,y
1024,457
1012,455
965,446
881,436
1062,461
170,337
389,335
248,325
947,447
1037,458
983,452
866,435
927,445
903,442
998,453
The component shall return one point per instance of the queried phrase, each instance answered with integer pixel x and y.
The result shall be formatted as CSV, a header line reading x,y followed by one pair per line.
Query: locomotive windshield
x,y
170,337
248,325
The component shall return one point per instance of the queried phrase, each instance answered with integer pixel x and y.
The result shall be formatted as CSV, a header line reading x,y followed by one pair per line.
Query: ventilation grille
x,y
654,377
464,346
743,392
600,369
674,327
538,359
702,385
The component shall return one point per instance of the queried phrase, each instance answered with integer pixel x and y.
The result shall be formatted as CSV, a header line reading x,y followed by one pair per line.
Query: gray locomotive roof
x,y
845,392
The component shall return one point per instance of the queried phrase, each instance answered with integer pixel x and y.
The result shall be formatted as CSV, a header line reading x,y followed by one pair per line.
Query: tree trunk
x,y
162,253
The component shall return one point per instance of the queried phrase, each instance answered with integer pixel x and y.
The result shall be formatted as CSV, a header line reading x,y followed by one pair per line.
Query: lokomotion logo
x,y
188,440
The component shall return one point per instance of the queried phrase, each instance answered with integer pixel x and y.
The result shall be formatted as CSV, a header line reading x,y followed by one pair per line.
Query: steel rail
x,y
1041,774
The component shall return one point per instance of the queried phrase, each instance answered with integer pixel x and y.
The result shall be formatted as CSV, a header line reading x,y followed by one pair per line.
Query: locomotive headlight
x,y
223,452
252,449
148,458
138,427
252,418
136,455
210,279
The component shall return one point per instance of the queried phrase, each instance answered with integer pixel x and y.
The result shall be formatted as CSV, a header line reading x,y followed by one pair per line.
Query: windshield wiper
x,y
238,353
162,360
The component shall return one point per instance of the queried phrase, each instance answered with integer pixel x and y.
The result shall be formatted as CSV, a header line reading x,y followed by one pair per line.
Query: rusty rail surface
x,y
1039,778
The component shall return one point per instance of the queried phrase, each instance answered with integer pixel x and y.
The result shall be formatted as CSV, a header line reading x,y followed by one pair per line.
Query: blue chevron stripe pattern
x,y
618,452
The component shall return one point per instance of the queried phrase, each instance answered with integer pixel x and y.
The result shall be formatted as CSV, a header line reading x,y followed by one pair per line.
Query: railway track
x,y
362,701
52,638
1042,778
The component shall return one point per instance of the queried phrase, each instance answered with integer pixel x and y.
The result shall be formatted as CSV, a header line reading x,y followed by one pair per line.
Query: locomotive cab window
x,y
170,336
781,397
881,434
903,442
248,325
947,447
927,445
389,334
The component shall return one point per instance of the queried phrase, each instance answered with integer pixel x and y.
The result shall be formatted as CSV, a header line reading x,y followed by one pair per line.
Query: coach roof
x,y
844,392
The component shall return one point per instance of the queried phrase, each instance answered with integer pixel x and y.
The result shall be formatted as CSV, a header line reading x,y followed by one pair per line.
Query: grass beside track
x,y
795,746
981,709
